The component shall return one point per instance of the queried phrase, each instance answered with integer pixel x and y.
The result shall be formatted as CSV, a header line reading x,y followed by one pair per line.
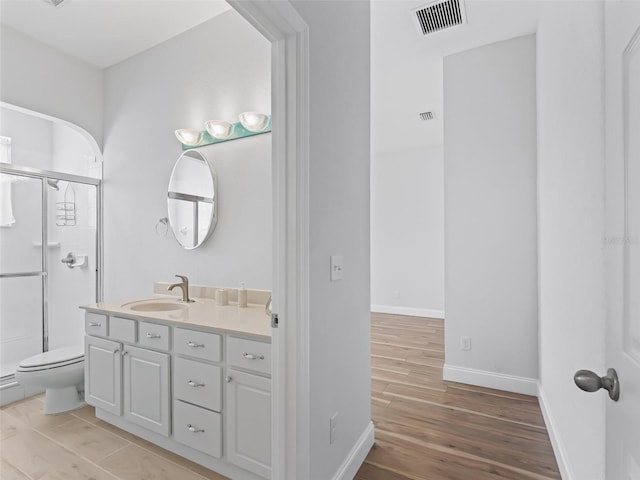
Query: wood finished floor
x,y
79,446
426,429
429,429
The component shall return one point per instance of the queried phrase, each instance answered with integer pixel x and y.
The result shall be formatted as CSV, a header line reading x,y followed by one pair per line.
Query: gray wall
x,y
490,211
176,85
339,335
407,231
40,78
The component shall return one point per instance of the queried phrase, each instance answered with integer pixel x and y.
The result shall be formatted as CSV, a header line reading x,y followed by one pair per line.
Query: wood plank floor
x,y
79,446
429,429
426,429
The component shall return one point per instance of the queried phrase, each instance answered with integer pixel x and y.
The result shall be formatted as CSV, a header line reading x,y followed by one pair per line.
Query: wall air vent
x,y
440,15
426,116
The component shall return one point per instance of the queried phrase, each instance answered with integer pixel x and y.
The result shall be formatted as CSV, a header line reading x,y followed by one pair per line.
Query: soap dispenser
x,y
242,296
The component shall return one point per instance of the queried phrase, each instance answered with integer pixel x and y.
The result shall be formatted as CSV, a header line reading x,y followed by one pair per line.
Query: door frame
x,y
288,33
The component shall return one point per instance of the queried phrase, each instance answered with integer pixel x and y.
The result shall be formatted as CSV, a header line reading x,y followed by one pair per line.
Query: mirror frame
x,y
213,221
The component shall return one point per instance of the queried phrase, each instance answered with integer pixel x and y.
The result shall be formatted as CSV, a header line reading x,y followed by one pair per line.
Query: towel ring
x,y
162,226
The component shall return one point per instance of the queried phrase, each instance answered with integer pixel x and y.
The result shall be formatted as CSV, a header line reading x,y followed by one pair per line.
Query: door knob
x,y
590,382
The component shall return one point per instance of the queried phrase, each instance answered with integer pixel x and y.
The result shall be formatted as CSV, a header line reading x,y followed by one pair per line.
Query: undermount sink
x,y
155,306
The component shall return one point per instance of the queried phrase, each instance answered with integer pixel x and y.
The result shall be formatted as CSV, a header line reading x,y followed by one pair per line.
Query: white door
x,y
622,241
146,388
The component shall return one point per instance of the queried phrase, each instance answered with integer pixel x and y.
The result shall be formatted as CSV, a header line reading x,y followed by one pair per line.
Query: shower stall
x,y
50,261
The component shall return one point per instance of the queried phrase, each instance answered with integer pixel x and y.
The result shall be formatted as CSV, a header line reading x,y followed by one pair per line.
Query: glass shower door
x,y
22,303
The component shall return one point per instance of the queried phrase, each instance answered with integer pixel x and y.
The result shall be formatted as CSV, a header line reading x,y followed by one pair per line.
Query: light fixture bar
x,y
237,131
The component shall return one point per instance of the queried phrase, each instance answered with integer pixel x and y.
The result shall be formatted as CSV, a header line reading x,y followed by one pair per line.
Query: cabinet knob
x,y
228,379
193,429
194,344
124,352
252,356
153,335
193,384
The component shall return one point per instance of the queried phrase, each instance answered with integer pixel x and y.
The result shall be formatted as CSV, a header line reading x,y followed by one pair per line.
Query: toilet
x,y
61,373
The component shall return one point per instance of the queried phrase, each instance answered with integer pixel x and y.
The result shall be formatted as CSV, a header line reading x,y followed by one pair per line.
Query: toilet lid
x,y
56,356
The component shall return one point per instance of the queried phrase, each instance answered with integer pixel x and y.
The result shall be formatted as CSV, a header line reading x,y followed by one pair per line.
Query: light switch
x,y
336,267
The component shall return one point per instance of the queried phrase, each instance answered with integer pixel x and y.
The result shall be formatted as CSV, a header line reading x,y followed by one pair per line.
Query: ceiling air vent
x,y
426,116
53,3
440,15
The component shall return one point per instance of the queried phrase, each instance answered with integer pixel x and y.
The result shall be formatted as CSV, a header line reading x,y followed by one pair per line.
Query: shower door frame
x,y
43,176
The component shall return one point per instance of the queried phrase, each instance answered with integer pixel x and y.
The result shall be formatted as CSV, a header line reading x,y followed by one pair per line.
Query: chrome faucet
x,y
184,286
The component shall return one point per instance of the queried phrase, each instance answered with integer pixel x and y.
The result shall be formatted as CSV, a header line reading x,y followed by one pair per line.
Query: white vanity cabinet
x,y
146,388
248,400
166,383
103,374
124,379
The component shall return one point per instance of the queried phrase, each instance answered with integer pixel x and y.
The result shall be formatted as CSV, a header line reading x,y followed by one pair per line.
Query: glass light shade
x,y
189,136
219,129
253,121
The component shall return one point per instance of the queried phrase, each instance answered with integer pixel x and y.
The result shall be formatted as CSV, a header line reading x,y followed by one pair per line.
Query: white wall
x,y
40,78
570,210
407,224
490,214
339,334
178,84
407,231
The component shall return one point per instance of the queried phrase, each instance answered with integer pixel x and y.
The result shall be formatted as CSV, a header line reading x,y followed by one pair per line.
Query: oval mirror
x,y
191,202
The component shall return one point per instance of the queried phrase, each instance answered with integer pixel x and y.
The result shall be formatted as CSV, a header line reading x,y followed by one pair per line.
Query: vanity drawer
x,y
249,354
198,428
95,324
198,383
207,346
153,335
122,329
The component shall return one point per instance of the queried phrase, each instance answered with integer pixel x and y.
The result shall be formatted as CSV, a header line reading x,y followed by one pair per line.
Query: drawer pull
x,y
95,324
193,384
153,335
252,356
193,429
194,344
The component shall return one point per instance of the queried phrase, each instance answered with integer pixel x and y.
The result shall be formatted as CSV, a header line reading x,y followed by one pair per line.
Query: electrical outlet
x,y
465,343
333,423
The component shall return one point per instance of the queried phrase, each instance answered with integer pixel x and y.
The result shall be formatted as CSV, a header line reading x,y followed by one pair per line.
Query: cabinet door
x,y
146,388
249,422
102,374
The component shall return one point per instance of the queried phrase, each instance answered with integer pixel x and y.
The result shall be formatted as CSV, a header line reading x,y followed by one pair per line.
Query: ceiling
x,y
105,32
406,66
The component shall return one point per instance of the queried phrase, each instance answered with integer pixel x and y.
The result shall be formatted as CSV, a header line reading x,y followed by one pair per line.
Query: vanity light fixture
x,y
189,136
219,129
254,121
216,131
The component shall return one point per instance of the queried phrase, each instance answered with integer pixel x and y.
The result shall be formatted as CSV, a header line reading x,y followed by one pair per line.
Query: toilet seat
x,y
57,358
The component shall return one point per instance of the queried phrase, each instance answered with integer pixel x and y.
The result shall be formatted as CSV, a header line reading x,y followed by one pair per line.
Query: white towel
x,y
6,208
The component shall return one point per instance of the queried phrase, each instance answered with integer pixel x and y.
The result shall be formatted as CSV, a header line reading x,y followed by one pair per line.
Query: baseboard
x,y
483,378
409,311
356,456
556,442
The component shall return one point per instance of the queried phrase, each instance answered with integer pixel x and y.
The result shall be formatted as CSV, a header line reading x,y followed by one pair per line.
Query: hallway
x,y
429,429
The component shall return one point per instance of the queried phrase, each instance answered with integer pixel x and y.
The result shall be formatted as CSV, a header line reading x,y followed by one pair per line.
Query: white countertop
x,y
203,314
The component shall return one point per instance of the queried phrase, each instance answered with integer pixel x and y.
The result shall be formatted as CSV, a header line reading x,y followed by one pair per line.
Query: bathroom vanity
x,y
193,378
